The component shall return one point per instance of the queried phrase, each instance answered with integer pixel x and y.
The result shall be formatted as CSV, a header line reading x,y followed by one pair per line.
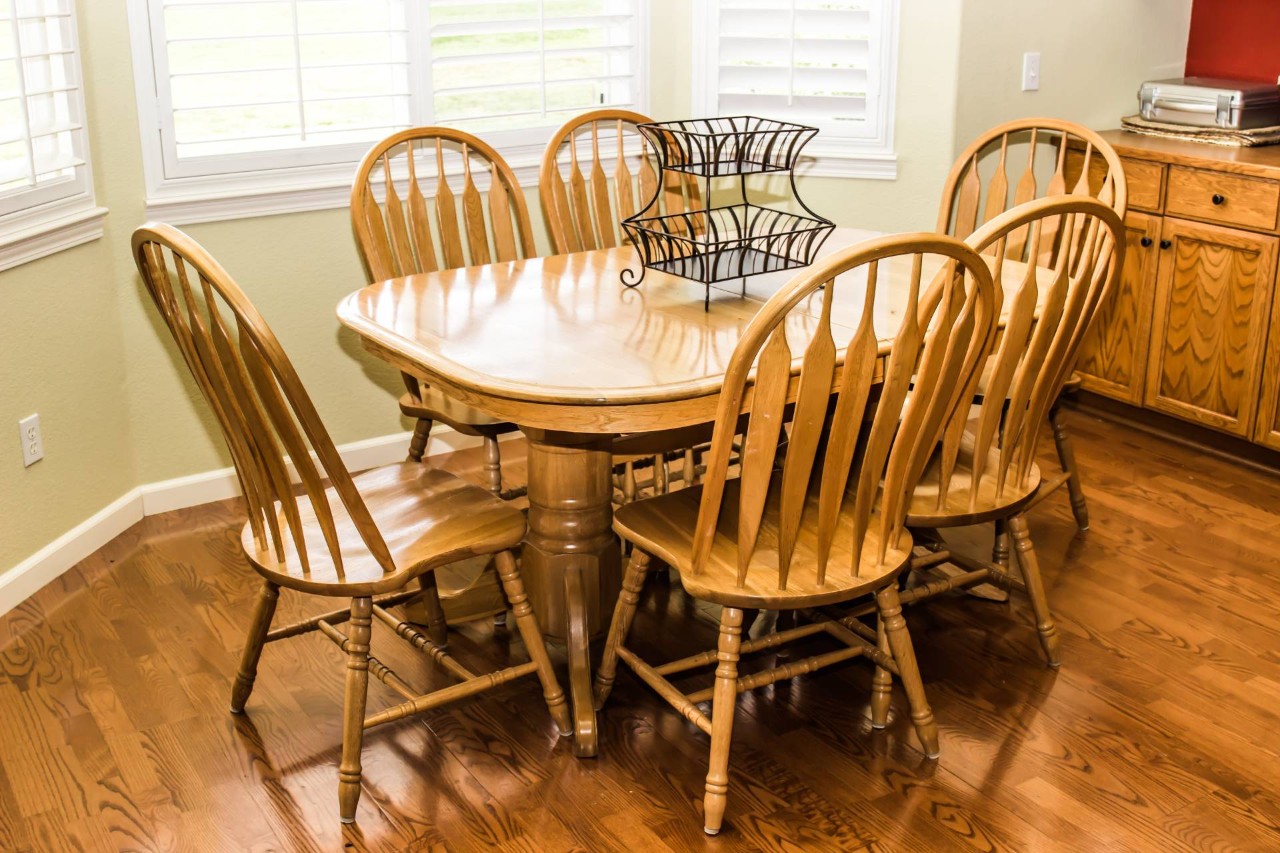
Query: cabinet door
x,y
1212,310
1268,429
1113,359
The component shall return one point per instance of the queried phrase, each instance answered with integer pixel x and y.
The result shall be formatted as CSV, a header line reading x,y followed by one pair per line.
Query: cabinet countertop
x,y
1259,162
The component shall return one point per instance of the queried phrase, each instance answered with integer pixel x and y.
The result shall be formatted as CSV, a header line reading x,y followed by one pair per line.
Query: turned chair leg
x,y
493,464
895,627
418,444
784,620
690,472
258,628
881,682
723,702
353,707
1000,548
624,613
999,556
1049,639
628,482
1067,456
534,644
437,628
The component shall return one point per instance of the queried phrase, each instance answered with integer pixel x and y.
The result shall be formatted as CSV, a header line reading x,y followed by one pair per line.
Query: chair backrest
x,y
1036,348
267,419
612,174
878,435
1024,160
397,236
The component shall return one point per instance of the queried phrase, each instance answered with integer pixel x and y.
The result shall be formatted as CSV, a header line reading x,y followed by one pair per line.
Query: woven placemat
x,y
1212,135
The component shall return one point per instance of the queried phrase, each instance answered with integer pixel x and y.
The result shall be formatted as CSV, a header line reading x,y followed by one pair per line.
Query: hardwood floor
x,y
1156,734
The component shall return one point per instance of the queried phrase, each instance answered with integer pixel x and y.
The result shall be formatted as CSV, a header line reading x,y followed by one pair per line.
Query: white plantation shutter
x,y
825,63
279,99
245,84
43,152
532,63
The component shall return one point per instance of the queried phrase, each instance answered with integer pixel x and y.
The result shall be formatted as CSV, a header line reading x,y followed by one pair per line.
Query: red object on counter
x,y
1239,39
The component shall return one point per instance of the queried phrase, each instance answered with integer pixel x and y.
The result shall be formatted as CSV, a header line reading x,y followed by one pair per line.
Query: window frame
x,y
872,157
273,189
61,214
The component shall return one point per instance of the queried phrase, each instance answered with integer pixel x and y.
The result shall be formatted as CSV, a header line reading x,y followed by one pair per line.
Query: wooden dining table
x,y
559,346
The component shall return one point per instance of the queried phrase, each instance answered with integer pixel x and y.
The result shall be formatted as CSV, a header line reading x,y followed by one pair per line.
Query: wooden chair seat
x,y
1034,149
384,531
428,517
641,444
664,527
815,515
1072,245
958,508
439,407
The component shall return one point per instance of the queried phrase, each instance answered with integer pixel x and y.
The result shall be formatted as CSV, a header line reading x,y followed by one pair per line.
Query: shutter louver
x,y
530,63
42,142
807,61
265,75
273,101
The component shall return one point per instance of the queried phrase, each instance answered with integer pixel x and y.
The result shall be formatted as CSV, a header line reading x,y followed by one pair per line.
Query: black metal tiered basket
x,y
731,241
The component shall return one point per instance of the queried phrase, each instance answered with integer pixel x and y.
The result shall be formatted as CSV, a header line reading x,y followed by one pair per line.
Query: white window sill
x,y
877,168
39,237
840,158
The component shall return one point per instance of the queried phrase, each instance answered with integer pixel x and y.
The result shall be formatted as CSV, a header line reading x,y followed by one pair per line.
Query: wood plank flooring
x,y
1157,734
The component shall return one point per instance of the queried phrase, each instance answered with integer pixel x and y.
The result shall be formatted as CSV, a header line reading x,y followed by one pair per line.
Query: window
x,y
262,106
46,188
826,63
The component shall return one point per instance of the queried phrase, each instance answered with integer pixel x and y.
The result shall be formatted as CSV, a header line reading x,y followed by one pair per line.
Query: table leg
x,y
572,563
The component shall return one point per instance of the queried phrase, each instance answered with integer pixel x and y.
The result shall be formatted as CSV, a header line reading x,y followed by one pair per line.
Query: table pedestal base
x,y
571,564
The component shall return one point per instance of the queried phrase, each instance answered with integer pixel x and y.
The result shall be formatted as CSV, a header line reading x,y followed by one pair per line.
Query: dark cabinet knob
x,y
1146,242
1164,244
1219,199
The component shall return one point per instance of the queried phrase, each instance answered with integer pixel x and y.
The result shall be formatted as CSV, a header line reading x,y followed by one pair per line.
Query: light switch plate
x,y
1031,72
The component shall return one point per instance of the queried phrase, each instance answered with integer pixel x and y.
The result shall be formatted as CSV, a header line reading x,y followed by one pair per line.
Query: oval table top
x,y
559,343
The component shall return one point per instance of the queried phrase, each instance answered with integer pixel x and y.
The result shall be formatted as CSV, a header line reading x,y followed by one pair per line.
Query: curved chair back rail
x,y
874,436
1032,359
266,416
1024,160
612,174
399,233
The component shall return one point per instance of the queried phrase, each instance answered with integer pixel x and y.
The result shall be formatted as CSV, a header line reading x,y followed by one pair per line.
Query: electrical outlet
x,y
32,441
1031,72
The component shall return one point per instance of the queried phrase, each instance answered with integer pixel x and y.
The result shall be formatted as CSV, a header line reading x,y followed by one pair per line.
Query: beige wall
x,y
80,345
1094,54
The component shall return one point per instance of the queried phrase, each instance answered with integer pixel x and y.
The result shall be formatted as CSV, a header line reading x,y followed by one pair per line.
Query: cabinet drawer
x,y
1145,181
1227,199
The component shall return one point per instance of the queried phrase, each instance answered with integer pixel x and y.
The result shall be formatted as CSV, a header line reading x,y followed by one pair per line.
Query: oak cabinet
x,y
1113,360
1209,326
1194,329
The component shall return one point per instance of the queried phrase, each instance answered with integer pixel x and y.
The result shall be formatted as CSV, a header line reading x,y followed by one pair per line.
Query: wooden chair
x,y
597,170
980,187
826,525
376,538
396,236
984,470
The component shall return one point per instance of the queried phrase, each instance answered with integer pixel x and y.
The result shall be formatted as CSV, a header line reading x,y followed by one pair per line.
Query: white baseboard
x,y
46,565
